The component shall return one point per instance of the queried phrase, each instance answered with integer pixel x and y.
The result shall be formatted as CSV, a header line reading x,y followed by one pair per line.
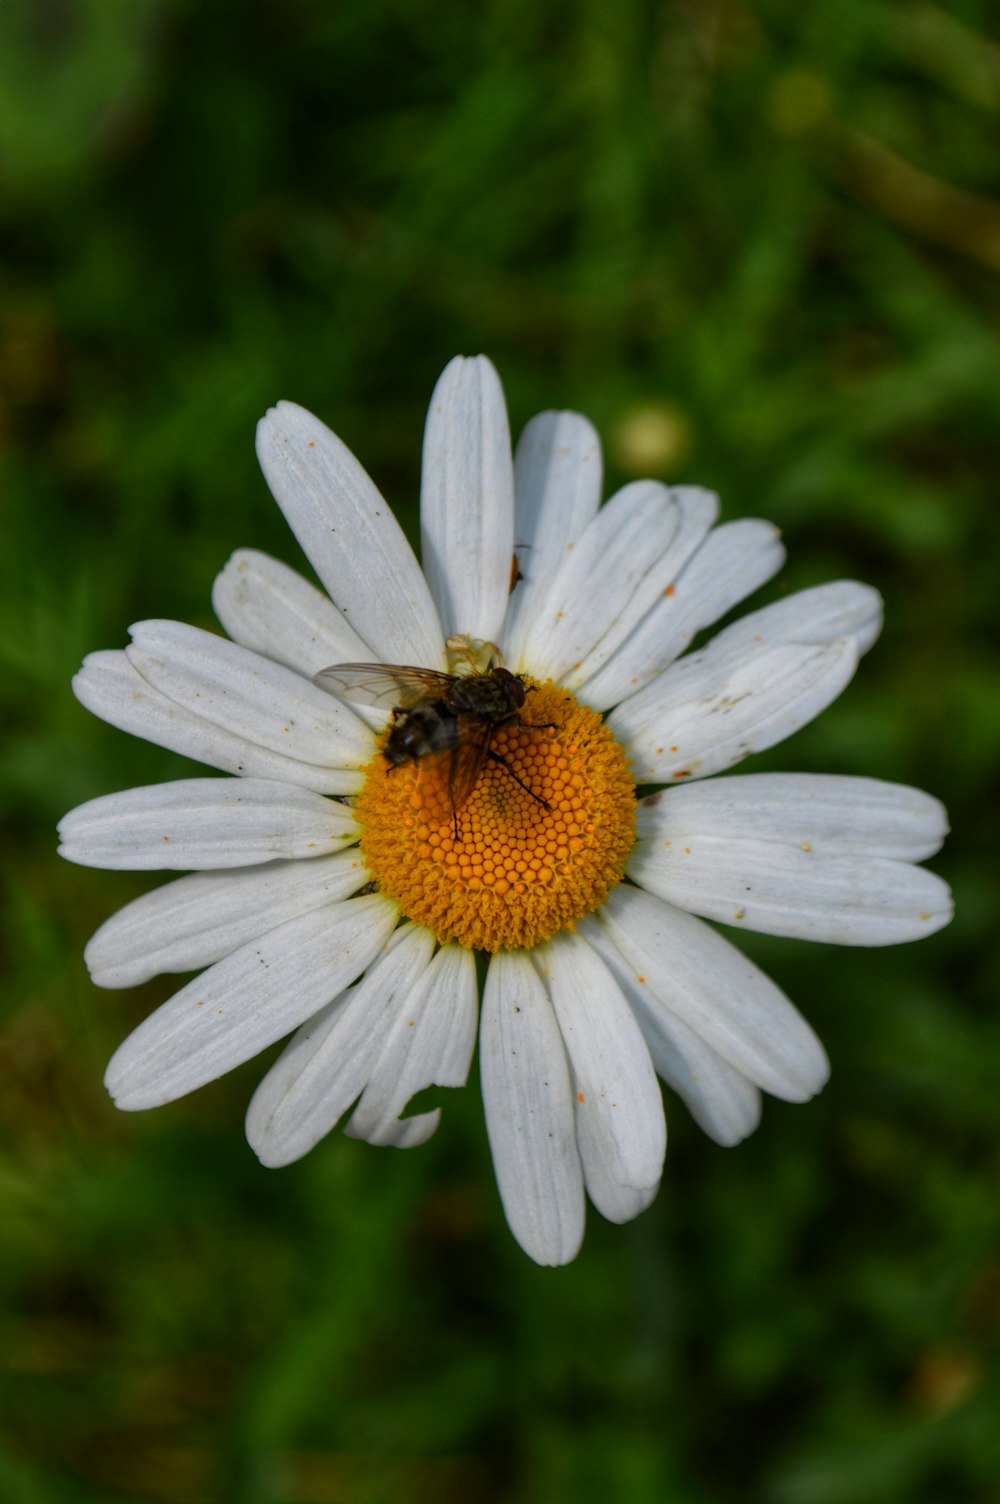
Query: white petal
x,y
350,537
752,685
527,1096
817,617
196,920
825,813
605,675
325,1067
644,584
204,822
707,581
709,985
841,608
708,713
720,1099
785,890
111,688
616,1202
270,608
614,568
246,1002
621,1130
467,499
429,1042
251,696
557,490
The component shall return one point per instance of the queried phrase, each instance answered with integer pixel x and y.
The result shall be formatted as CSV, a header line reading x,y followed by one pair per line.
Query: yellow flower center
x,y
518,869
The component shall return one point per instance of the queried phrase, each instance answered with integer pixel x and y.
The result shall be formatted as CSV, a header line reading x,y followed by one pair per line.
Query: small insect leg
x,y
495,757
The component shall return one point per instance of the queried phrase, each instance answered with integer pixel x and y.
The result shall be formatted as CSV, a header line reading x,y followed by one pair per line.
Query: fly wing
x,y
384,684
467,758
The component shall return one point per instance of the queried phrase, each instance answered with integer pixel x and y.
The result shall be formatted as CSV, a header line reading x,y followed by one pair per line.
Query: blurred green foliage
x,y
758,243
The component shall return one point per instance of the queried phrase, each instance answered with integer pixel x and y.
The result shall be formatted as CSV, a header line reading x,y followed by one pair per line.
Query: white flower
x,y
600,972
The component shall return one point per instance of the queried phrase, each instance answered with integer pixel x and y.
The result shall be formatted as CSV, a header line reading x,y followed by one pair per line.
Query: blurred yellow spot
x,y
653,438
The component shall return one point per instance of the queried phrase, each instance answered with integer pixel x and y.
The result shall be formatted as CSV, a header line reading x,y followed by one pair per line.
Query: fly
x,y
439,715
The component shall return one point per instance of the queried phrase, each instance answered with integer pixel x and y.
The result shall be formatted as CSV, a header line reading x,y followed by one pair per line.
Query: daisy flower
x,y
328,901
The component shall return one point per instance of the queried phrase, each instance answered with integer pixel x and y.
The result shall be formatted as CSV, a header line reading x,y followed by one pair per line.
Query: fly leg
x,y
495,757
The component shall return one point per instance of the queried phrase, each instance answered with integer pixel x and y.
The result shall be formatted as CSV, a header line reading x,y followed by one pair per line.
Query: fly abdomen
x,y
427,728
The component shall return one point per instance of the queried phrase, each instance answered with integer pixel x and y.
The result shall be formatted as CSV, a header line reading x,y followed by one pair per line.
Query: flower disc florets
x,y
519,869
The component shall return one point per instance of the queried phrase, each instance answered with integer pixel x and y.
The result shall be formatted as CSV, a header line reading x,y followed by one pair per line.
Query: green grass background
x,y
777,223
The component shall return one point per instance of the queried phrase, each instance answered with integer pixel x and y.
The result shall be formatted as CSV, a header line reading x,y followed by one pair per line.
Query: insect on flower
x,y
436,714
